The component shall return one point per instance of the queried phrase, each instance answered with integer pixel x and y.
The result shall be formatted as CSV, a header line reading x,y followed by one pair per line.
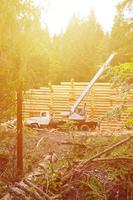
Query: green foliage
x,y
124,70
129,110
121,35
129,121
122,78
17,32
97,189
117,174
69,126
84,46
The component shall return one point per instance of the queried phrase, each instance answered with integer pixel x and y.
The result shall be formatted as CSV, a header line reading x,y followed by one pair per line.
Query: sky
x,y
57,13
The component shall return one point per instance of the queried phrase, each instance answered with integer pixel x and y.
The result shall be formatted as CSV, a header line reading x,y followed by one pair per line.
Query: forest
x,y
30,54
65,162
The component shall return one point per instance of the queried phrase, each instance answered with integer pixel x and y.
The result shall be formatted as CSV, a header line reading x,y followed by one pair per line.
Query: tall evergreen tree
x,y
17,41
84,47
122,33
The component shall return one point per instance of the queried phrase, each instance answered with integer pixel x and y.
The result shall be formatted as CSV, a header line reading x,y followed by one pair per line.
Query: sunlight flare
x,y
59,12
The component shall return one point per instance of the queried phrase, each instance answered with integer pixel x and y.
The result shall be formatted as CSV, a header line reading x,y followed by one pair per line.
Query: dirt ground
x,y
101,179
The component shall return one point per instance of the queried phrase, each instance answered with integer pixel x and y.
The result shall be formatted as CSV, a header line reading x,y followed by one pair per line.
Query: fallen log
x,y
128,158
112,147
44,194
28,190
16,191
29,183
80,167
114,159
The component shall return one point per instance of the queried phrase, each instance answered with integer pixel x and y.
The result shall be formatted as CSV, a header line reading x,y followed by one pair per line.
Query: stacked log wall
x,y
100,101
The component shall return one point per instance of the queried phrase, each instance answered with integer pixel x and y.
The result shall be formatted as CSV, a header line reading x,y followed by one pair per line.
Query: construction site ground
x,y
72,171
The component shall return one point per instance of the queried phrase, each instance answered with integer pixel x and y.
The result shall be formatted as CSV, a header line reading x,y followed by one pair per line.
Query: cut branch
x,y
108,150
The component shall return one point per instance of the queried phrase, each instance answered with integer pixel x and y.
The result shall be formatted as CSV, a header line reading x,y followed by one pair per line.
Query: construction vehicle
x,y
77,115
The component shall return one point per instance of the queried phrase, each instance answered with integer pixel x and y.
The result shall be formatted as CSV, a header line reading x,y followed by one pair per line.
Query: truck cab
x,y
40,121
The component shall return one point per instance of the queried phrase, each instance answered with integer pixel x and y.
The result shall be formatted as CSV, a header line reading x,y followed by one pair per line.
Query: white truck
x,y
77,115
42,120
45,120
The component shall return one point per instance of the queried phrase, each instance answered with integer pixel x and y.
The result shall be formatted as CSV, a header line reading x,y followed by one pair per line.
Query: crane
x,y
78,116
91,83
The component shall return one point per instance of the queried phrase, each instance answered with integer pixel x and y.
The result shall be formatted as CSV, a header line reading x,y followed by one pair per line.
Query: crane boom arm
x,y
91,83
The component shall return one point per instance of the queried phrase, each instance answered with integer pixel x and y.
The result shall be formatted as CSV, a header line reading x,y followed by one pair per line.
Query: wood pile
x,y
57,98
